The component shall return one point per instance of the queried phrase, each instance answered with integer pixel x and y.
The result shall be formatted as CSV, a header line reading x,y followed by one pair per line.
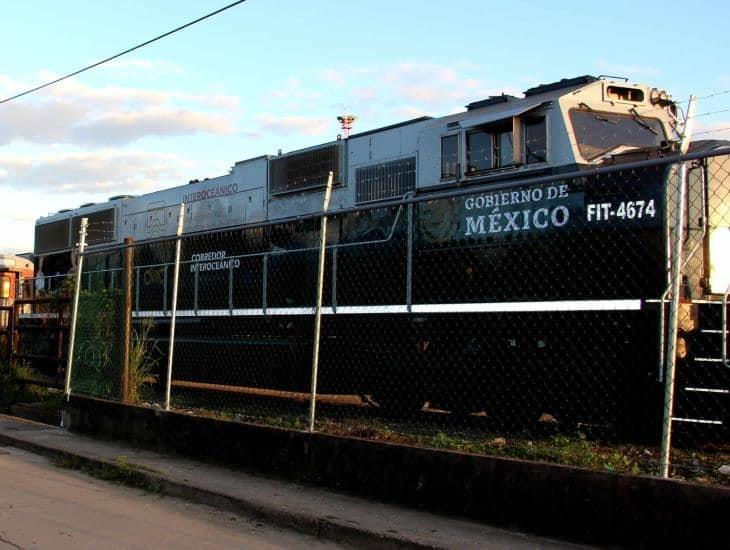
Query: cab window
x,y
450,157
489,147
5,286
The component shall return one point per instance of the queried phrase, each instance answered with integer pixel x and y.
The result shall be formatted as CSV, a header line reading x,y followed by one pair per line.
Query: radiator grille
x,y
50,237
386,180
101,226
305,170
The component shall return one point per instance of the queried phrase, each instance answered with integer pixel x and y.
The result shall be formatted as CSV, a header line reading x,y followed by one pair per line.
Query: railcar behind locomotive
x,y
525,292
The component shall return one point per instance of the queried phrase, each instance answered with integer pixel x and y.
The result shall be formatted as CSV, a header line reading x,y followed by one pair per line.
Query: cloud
x,y
221,101
292,96
76,113
125,127
717,130
40,122
412,87
131,65
116,96
333,76
307,125
93,172
407,113
365,93
437,87
379,95
108,97
627,71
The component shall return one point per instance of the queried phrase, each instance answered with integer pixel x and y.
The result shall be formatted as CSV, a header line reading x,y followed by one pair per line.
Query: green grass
x,y
12,390
121,471
573,449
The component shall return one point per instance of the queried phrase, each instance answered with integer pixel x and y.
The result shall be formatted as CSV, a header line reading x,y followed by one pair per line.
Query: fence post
x,y
127,316
676,271
75,310
173,313
409,260
318,309
676,279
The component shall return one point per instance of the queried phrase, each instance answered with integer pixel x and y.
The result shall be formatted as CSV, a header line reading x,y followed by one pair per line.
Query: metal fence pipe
x,y
173,313
264,282
334,279
230,288
318,309
676,280
409,260
673,324
164,289
75,310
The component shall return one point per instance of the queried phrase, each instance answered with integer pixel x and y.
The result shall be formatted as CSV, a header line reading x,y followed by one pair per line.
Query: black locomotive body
x,y
530,307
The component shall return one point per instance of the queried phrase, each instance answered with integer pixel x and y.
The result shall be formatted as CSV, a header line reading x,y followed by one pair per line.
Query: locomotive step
x,y
697,421
718,391
702,405
706,344
704,372
709,316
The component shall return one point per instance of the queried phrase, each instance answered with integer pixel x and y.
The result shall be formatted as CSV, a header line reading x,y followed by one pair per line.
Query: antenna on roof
x,y
346,122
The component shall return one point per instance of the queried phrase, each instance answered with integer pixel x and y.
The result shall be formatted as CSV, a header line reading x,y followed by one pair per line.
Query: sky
x,y
274,74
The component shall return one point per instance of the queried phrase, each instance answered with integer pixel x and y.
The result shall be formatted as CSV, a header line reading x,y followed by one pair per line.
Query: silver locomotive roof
x,y
572,122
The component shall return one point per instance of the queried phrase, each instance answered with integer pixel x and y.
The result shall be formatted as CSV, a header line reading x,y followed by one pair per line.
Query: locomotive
x,y
477,262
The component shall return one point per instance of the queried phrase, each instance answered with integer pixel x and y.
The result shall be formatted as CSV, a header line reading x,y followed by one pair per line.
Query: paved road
x,y
42,506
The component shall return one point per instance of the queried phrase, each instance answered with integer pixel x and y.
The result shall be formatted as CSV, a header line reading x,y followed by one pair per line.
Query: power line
x,y
715,94
711,131
138,46
711,113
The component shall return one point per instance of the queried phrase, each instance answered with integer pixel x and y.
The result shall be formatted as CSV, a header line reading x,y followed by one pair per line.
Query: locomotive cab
x,y
556,128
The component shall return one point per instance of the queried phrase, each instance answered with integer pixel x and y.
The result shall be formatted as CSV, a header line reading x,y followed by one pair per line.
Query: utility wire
x,y
711,131
710,113
723,92
715,94
138,46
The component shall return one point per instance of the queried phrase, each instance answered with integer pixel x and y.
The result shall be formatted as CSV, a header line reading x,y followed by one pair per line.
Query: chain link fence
x,y
701,408
529,319
38,325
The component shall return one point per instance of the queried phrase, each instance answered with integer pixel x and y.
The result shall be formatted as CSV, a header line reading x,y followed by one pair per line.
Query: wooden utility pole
x,y
127,287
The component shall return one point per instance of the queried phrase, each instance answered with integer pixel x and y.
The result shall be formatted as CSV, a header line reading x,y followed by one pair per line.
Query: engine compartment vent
x,y
304,169
386,180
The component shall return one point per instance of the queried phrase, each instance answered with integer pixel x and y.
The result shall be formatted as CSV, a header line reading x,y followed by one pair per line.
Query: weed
x,y
142,362
13,389
121,471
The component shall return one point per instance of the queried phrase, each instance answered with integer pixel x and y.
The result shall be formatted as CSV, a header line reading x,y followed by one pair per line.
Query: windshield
x,y
599,133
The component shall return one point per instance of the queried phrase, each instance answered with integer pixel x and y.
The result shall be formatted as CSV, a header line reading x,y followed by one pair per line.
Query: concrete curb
x,y
139,477
331,515
549,500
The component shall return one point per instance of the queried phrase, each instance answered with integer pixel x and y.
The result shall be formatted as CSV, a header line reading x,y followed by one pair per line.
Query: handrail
x,y
388,238
665,294
725,361
263,255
